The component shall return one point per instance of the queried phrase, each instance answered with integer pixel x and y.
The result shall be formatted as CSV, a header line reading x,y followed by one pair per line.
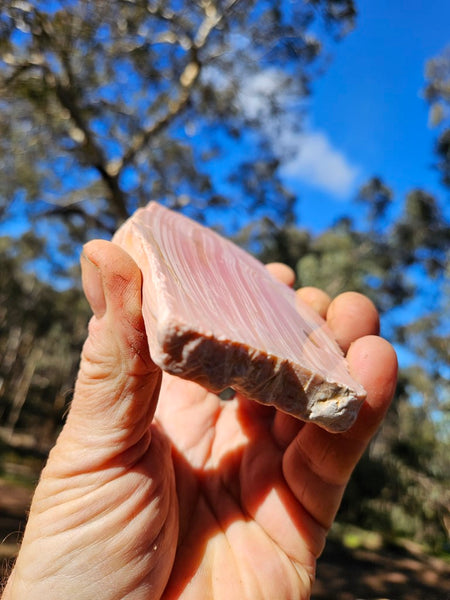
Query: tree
x,y
437,92
108,104
40,347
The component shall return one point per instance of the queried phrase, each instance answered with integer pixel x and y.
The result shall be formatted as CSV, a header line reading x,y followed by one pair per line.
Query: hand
x,y
158,489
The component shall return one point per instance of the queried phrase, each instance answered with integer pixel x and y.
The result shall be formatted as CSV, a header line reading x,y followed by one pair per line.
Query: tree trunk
x,y
23,386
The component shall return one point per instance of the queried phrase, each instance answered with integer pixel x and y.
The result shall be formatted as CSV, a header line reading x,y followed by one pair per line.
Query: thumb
x,y
118,384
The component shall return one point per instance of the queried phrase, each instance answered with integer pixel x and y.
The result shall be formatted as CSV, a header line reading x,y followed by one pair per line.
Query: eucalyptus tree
x,y
106,104
437,92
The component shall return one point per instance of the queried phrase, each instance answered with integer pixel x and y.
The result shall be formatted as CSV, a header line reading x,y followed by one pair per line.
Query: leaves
x,y
105,92
40,344
437,92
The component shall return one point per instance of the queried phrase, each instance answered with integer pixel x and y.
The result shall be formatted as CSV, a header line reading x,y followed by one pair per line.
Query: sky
x,y
366,114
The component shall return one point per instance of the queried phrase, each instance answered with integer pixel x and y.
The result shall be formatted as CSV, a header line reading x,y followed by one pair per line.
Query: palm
x,y
239,522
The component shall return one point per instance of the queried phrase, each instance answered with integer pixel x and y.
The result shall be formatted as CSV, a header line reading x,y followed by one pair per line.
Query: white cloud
x,y
311,157
257,94
313,160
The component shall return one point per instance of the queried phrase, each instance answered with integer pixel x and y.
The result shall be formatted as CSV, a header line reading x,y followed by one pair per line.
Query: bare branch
x,y
187,80
67,211
174,108
92,151
81,133
19,68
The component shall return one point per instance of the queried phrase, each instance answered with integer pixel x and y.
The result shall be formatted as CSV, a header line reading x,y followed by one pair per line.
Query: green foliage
x,y
437,92
401,486
41,333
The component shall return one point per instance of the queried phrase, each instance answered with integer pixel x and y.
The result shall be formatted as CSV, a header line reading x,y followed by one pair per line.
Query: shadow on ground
x,y
395,573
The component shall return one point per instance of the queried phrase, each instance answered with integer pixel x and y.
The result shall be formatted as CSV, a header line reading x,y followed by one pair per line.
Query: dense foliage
x,y
41,333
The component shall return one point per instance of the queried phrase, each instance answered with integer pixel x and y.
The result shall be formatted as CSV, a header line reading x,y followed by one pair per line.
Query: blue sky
x,y
367,115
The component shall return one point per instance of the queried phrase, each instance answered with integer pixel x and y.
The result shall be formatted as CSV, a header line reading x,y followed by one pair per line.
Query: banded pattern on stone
x,y
215,315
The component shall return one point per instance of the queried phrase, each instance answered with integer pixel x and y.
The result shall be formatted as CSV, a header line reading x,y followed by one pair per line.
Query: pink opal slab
x,y
215,315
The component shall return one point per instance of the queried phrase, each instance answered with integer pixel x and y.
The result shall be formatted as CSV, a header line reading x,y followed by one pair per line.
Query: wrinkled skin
x,y
158,489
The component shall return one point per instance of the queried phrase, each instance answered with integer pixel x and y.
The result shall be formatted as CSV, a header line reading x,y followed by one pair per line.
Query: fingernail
x,y
93,286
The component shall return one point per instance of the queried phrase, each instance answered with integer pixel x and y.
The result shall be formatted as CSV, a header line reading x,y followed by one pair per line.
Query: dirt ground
x,y
395,573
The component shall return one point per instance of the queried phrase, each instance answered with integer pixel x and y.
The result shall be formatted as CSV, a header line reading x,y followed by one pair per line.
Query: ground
x,y
396,572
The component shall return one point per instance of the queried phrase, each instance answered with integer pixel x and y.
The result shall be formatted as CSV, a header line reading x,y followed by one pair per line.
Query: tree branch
x,y
87,143
68,211
174,108
85,138
187,80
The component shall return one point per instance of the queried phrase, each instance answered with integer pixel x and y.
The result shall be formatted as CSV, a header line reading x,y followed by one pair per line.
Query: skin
x,y
158,489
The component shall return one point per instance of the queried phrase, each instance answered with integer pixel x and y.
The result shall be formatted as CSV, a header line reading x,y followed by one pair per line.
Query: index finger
x,y
282,272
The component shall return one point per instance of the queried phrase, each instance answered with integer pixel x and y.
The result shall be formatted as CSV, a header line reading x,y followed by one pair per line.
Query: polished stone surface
x,y
215,315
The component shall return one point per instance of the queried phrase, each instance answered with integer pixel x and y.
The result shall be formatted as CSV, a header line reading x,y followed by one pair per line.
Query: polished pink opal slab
x,y
215,315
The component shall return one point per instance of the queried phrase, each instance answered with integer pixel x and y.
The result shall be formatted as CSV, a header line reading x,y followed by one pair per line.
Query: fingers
x,y
103,501
317,299
350,316
116,390
318,464
373,362
282,272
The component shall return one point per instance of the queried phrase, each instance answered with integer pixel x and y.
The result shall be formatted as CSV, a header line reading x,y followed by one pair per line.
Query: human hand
x,y
156,488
